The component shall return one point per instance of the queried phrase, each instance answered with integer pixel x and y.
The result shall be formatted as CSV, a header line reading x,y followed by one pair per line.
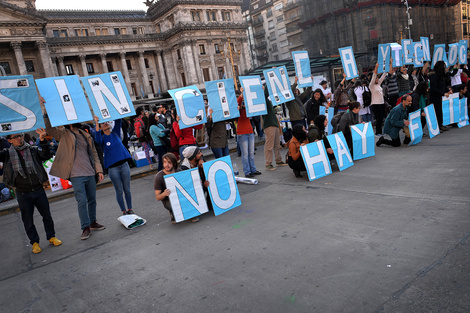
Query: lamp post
x,y
409,20
231,52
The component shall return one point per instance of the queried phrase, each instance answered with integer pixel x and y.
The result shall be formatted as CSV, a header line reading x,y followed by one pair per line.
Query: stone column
x,y
16,45
246,55
125,72
161,71
195,60
177,76
168,64
54,66
62,71
103,62
215,74
228,65
45,58
189,66
82,62
145,77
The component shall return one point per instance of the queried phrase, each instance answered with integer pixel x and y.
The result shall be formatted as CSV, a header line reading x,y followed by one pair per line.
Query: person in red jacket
x,y
185,136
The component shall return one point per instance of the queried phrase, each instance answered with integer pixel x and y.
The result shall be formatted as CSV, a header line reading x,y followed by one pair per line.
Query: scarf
x,y
28,160
405,76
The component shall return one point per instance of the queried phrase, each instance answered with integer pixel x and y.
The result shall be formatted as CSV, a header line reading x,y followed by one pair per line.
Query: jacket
x,y
38,154
294,149
394,121
63,162
341,97
376,89
217,134
295,106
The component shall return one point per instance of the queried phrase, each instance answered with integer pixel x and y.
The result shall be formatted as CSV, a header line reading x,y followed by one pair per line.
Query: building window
x,y
183,79
211,15
69,69
101,32
226,16
157,28
146,61
138,31
59,33
123,31
89,68
81,32
280,18
232,47
117,31
109,64
6,67
206,74
255,6
134,88
171,20
129,65
221,72
274,47
55,33
178,53
271,24
63,33
29,66
272,36
196,15
202,50
278,7
216,48
282,31
269,13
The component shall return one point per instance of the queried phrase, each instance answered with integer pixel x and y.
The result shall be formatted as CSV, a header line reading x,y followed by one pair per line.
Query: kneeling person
x,y
396,120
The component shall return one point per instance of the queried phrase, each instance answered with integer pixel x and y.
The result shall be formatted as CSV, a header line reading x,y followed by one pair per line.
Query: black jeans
x,y
27,201
379,112
394,142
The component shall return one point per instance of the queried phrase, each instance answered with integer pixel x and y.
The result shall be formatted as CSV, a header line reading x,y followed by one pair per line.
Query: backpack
x,y
140,130
367,97
174,141
335,121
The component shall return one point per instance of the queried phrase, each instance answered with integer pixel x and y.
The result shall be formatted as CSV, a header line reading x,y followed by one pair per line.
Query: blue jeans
x,y
121,178
160,150
84,189
247,146
366,118
220,152
27,201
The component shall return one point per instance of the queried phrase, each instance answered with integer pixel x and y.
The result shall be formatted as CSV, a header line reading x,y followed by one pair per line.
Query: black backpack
x,y
367,97
335,121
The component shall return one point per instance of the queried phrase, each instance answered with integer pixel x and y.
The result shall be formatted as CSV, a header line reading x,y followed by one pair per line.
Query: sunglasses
x,y
16,136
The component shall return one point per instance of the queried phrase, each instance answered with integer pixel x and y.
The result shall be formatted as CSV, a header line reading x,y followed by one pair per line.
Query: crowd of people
x,y
85,153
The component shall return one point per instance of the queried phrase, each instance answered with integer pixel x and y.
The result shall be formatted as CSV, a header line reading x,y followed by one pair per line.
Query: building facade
x,y
273,29
174,44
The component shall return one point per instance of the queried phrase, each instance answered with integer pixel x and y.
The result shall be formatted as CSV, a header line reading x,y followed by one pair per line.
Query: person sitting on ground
x,y
115,159
396,120
351,117
316,132
294,157
23,170
170,166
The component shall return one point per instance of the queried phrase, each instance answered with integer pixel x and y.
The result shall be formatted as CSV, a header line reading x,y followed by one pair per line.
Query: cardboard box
x,y
140,163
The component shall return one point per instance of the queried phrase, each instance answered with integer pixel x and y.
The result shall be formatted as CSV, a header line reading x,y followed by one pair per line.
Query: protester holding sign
x,y
294,157
23,170
185,136
396,120
116,159
377,104
246,140
218,140
420,100
438,89
341,98
351,117
296,108
170,166
76,160
312,106
316,132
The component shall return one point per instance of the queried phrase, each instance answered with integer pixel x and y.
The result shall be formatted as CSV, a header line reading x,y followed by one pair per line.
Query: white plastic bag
x,y
131,221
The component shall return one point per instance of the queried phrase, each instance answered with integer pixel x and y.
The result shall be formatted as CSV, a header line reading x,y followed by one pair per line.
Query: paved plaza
x,y
390,234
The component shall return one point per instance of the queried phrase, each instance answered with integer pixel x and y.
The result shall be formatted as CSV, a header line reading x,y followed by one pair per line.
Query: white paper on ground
x,y
245,180
129,219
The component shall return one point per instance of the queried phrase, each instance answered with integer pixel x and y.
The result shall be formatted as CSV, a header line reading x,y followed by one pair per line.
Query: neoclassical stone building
x,y
174,44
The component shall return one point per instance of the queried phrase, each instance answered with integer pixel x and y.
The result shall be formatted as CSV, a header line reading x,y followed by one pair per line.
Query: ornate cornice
x,y
92,16
161,7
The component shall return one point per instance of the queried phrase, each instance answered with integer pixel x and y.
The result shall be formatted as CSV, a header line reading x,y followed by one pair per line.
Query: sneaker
x,y
249,175
86,233
195,219
281,164
130,211
96,226
36,248
124,213
443,128
256,173
54,241
270,167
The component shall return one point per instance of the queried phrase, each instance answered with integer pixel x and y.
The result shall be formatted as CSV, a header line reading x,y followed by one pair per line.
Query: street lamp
x,y
409,21
230,54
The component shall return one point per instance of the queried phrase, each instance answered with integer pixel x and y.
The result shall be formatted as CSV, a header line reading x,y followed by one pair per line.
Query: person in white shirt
x,y
364,112
326,91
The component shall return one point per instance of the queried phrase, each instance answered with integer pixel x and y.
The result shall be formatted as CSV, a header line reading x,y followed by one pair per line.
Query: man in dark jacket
x,y
23,170
396,120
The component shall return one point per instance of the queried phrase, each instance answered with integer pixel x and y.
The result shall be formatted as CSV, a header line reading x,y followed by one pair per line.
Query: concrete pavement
x,y
389,234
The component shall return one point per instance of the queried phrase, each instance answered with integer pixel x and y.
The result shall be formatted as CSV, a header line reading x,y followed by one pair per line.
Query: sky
x,y
91,5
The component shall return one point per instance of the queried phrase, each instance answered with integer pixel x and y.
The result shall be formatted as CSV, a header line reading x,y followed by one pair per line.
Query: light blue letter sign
x,y
316,160
363,141
278,85
349,62
189,106
416,130
222,99
302,68
253,95
431,121
341,150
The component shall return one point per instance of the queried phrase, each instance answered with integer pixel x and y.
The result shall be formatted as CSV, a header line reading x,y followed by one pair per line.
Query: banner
x,y
316,160
363,139
302,69
453,57
396,54
223,188
415,127
418,60
426,49
108,96
253,95
341,150
65,100
279,88
431,121
408,57
463,46
189,106
450,109
187,196
384,58
349,62
439,55
19,105
463,113
222,99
